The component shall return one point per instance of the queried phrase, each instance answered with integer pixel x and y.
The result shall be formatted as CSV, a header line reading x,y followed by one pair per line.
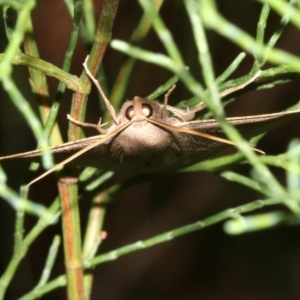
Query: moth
x,y
145,139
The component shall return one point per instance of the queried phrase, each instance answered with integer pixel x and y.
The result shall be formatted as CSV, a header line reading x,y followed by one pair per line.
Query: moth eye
x,y
129,113
147,110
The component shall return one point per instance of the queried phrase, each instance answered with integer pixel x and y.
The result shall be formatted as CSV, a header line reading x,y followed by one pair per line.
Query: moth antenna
x,y
80,152
166,98
202,134
98,126
106,101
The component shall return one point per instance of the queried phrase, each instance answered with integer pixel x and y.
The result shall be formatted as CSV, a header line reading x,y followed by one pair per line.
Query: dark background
x,y
207,264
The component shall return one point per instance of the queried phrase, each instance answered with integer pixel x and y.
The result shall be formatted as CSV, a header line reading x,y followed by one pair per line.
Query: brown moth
x,y
144,139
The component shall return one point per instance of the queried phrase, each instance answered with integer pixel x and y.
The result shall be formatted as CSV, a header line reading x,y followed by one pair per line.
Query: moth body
x,y
145,140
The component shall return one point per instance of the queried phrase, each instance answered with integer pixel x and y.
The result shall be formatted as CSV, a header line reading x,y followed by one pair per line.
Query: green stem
x,y
213,20
124,74
49,69
20,102
66,66
272,186
23,248
92,234
161,238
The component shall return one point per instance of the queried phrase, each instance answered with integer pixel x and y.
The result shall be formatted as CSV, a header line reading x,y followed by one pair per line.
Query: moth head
x,y
139,109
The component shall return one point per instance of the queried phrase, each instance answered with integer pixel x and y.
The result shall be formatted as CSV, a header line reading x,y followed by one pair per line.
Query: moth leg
x,y
185,114
83,124
166,98
106,101
189,114
182,114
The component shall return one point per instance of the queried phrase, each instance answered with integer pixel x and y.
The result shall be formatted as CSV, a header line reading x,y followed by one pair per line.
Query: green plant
x,y
81,257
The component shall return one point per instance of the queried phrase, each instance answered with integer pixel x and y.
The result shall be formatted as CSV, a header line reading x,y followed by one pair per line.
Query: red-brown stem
x,y
68,192
72,239
102,38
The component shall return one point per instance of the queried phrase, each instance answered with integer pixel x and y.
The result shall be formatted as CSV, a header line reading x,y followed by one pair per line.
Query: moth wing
x,y
248,126
59,151
184,150
195,148
93,151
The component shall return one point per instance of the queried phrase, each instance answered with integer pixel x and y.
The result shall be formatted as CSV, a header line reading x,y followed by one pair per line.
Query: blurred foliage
x,y
200,45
